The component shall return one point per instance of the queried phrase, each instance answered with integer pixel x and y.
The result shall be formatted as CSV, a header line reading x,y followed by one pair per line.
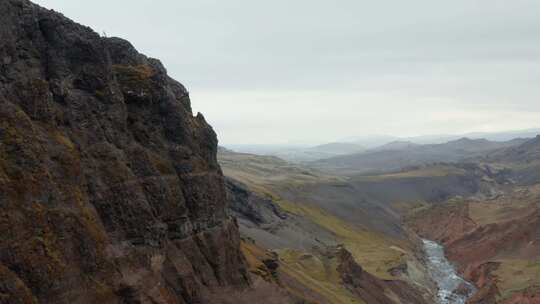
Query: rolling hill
x,y
396,156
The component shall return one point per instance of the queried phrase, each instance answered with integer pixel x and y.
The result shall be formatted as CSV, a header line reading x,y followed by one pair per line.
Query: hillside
x,y
311,211
526,152
495,243
522,162
397,156
395,146
339,148
475,209
317,152
279,213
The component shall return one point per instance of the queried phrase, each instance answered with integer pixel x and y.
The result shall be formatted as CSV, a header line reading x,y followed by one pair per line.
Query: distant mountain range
x,y
350,145
296,153
528,151
378,140
398,155
396,145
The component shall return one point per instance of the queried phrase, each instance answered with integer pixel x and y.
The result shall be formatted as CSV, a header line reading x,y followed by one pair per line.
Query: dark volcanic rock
x,y
250,208
109,187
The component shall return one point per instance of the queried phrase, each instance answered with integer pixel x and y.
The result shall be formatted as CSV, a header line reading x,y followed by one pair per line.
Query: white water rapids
x,y
452,288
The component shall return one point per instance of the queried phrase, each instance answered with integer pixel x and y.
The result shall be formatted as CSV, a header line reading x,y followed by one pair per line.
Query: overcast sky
x,y
315,71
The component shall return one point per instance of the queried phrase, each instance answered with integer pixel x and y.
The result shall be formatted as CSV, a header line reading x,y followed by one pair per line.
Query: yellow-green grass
x,y
516,274
485,213
431,171
409,208
319,272
519,165
512,206
261,171
374,252
316,272
254,256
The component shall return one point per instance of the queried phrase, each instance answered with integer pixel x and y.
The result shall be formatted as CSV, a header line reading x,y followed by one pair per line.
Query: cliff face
x,y
109,187
250,209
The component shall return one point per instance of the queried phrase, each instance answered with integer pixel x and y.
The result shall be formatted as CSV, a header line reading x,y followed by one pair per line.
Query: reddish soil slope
x,y
496,243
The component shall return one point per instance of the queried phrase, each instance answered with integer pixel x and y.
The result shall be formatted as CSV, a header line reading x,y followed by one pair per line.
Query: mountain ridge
x,y
390,159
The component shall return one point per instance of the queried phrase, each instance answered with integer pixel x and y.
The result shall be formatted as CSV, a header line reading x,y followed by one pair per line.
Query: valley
x,y
113,190
478,209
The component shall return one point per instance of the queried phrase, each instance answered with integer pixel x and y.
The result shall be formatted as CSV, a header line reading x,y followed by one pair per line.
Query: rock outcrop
x,y
372,289
110,190
250,208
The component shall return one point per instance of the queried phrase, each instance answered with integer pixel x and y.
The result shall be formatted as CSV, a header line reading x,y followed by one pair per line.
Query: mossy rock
x,y
13,290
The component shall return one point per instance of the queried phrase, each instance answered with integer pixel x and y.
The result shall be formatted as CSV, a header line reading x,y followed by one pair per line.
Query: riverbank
x,y
452,288
494,243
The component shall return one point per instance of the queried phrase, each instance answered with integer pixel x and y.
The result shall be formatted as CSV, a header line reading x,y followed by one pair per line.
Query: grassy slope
x,y
375,252
260,173
515,273
517,270
319,272
429,171
312,271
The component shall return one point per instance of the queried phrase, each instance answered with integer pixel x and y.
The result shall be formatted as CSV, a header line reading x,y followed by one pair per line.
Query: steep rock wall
x,y
109,187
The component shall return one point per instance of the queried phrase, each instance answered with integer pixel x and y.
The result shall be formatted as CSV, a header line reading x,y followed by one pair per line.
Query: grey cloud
x,y
397,67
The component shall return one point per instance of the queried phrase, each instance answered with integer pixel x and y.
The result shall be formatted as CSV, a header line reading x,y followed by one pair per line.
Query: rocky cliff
x,y
109,186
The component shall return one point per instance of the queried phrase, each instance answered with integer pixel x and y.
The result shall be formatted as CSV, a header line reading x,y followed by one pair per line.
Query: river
x,y
452,288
